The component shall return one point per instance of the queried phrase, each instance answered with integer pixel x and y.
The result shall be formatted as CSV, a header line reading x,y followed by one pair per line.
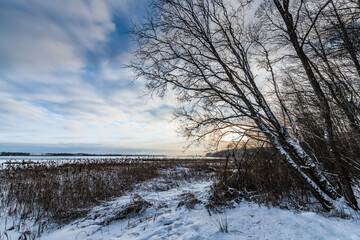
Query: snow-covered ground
x,y
166,220
67,159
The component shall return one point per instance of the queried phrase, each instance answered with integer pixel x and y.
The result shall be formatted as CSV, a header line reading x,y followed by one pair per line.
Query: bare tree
x,y
207,52
295,22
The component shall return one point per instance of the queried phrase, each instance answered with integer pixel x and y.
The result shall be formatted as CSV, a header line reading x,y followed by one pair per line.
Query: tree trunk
x,y
343,181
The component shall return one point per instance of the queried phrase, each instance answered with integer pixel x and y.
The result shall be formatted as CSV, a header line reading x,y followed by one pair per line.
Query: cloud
x,y
63,81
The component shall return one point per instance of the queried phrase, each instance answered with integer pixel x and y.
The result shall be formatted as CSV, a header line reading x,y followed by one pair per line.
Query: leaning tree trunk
x,y
303,166
343,180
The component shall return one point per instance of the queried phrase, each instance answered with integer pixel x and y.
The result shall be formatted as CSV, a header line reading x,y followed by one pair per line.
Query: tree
x,y
296,22
207,52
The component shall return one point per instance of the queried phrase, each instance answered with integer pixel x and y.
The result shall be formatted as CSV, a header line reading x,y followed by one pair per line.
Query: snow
x,y
245,221
165,219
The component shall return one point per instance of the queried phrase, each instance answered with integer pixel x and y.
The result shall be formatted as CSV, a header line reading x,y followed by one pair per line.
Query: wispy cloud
x,y
63,81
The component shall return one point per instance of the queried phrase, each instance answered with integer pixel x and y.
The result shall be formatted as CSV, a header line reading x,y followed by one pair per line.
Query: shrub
x,y
262,177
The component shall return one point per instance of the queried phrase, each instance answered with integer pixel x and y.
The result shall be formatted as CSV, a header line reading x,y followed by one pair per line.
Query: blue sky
x,y
63,87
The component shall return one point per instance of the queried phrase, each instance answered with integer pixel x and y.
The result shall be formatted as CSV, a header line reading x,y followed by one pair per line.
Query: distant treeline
x,y
238,153
225,153
15,154
92,154
73,154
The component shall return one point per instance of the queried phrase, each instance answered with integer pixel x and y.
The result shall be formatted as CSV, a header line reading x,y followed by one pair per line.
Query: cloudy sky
x,y
63,87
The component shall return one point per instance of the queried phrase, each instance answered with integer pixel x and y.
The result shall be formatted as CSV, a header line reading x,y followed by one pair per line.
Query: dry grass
x,y
63,193
189,201
136,207
264,179
36,196
55,194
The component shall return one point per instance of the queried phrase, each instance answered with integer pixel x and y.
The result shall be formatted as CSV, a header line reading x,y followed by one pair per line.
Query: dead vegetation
x,y
136,207
39,195
262,177
189,201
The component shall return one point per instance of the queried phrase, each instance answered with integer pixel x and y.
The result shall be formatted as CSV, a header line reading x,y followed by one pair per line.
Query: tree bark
x,y
343,180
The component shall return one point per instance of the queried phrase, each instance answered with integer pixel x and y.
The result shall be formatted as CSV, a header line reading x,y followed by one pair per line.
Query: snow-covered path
x,y
165,220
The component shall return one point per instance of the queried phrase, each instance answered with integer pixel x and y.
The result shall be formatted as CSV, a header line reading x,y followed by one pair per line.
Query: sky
x,y
63,85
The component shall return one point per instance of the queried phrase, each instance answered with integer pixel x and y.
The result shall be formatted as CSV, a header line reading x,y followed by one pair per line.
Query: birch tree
x,y
294,22
207,52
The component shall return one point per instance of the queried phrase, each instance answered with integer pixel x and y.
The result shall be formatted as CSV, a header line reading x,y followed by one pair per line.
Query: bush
x,y
261,177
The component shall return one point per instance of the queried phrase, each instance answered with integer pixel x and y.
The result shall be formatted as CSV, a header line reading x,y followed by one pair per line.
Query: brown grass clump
x,y
262,177
64,193
189,201
136,207
53,193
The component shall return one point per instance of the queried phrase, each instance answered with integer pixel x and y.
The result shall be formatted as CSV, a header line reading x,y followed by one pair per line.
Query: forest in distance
x,y
70,154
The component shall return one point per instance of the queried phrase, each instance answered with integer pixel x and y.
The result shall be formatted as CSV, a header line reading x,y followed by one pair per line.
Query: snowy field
x,y
166,220
27,159
6,161
160,209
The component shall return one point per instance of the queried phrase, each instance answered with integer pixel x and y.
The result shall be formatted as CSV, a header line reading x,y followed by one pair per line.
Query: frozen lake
x,y
6,160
